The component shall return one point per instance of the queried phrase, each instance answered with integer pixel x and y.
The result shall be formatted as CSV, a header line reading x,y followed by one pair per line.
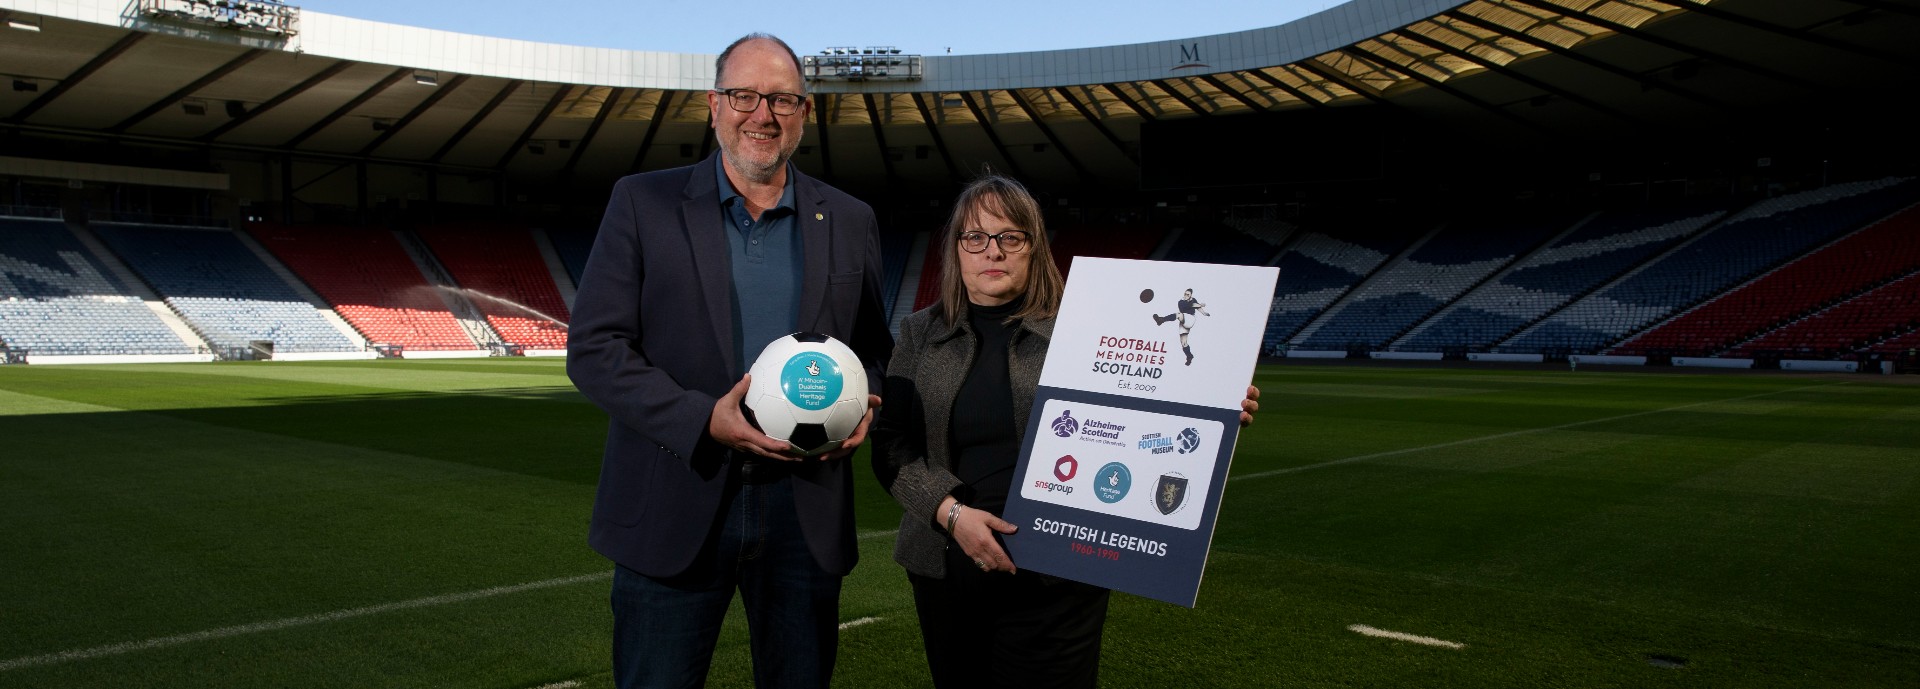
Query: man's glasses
x,y
1011,241
748,100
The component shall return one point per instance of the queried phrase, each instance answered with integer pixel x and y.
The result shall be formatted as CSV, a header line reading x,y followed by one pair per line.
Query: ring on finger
x,y
982,564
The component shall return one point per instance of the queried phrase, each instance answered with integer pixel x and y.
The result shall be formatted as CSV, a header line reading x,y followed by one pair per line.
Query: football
x,y
809,390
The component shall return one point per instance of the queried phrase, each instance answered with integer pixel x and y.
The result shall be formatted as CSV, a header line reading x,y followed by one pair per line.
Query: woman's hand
x,y
974,531
1249,405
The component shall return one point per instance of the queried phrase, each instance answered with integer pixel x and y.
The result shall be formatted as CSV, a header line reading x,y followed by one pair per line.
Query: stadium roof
x,y
343,89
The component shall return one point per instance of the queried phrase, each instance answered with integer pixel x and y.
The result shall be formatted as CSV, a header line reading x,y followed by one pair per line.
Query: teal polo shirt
x,y
767,267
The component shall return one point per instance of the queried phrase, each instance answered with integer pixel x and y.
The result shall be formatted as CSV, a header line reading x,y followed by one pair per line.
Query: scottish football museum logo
x,y
1065,426
1189,440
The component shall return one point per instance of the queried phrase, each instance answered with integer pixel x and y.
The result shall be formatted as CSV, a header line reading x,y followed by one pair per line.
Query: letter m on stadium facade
x,y
1189,57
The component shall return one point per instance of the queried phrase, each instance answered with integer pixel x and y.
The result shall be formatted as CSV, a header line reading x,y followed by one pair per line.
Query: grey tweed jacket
x,y
911,438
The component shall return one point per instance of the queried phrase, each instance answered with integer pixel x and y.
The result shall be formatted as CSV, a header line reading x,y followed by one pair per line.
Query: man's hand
x,y
859,432
730,427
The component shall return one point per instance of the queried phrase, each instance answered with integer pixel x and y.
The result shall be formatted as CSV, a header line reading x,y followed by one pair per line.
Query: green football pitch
x,y
423,524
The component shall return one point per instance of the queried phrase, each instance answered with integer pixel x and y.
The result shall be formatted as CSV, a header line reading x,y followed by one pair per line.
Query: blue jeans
x,y
664,630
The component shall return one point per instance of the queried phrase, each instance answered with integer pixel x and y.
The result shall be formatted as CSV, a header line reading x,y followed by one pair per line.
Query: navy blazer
x,y
651,343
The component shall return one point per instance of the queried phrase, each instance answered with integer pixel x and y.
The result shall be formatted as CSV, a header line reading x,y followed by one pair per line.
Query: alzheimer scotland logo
x,y
1065,426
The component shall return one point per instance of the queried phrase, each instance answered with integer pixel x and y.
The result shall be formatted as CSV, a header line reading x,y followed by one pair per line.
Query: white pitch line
x,y
1510,434
1403,636
569,684
257,627
855,623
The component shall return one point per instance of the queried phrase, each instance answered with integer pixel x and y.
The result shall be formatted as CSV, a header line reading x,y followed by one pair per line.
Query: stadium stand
x,y
370,281
222,288
499,269
894,249
1597,251
1874,321
1135,241
1451,262
928,290
1207,242
1744,244
573,246
1319,269
55,299
1828,276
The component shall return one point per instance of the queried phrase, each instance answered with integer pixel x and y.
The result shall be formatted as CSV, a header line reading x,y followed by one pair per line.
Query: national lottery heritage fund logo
x,y
1112,483
811,381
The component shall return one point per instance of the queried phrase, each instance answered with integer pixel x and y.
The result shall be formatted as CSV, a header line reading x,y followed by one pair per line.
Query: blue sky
x,y
927,28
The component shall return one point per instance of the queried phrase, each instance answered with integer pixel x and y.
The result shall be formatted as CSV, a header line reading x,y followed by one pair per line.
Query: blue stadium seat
x,y
55,299
222,288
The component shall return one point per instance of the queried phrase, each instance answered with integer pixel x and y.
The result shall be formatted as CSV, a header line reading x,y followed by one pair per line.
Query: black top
x,y
986,441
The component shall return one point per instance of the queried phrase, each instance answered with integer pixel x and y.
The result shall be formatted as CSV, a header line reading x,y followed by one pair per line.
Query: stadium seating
x,y
1854,264
56,299
573,247
1135,241
1207,242
370,281
1746,243
222,288
1318,269
499,269
928,291
1449,263
1600,249
1874,321
894,249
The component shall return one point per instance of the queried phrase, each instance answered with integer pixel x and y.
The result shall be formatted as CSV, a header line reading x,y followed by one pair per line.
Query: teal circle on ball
x,y
811,381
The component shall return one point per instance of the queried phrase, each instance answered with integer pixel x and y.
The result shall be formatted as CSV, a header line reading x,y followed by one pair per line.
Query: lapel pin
x,y
819,216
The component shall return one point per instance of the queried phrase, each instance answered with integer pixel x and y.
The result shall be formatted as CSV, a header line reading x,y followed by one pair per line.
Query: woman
x,y
959,389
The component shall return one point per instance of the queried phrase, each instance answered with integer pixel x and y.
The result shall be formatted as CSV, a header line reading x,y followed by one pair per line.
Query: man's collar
x,y
728,193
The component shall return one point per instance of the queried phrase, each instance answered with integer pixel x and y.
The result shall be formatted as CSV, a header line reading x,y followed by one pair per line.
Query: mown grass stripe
x,y
1511,434
258,627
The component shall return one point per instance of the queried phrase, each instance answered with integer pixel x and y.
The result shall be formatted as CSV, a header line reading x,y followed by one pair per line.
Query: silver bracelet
x,y
953,515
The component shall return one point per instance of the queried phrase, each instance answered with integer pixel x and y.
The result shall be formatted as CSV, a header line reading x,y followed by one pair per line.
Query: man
x,y
693,272
1188,306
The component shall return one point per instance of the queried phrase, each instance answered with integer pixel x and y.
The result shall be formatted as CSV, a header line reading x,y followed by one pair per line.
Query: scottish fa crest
x,y
1170,494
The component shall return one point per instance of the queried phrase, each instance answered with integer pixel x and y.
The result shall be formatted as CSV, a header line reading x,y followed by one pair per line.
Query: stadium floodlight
x,y
426,78
193,107
14,22
25,85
